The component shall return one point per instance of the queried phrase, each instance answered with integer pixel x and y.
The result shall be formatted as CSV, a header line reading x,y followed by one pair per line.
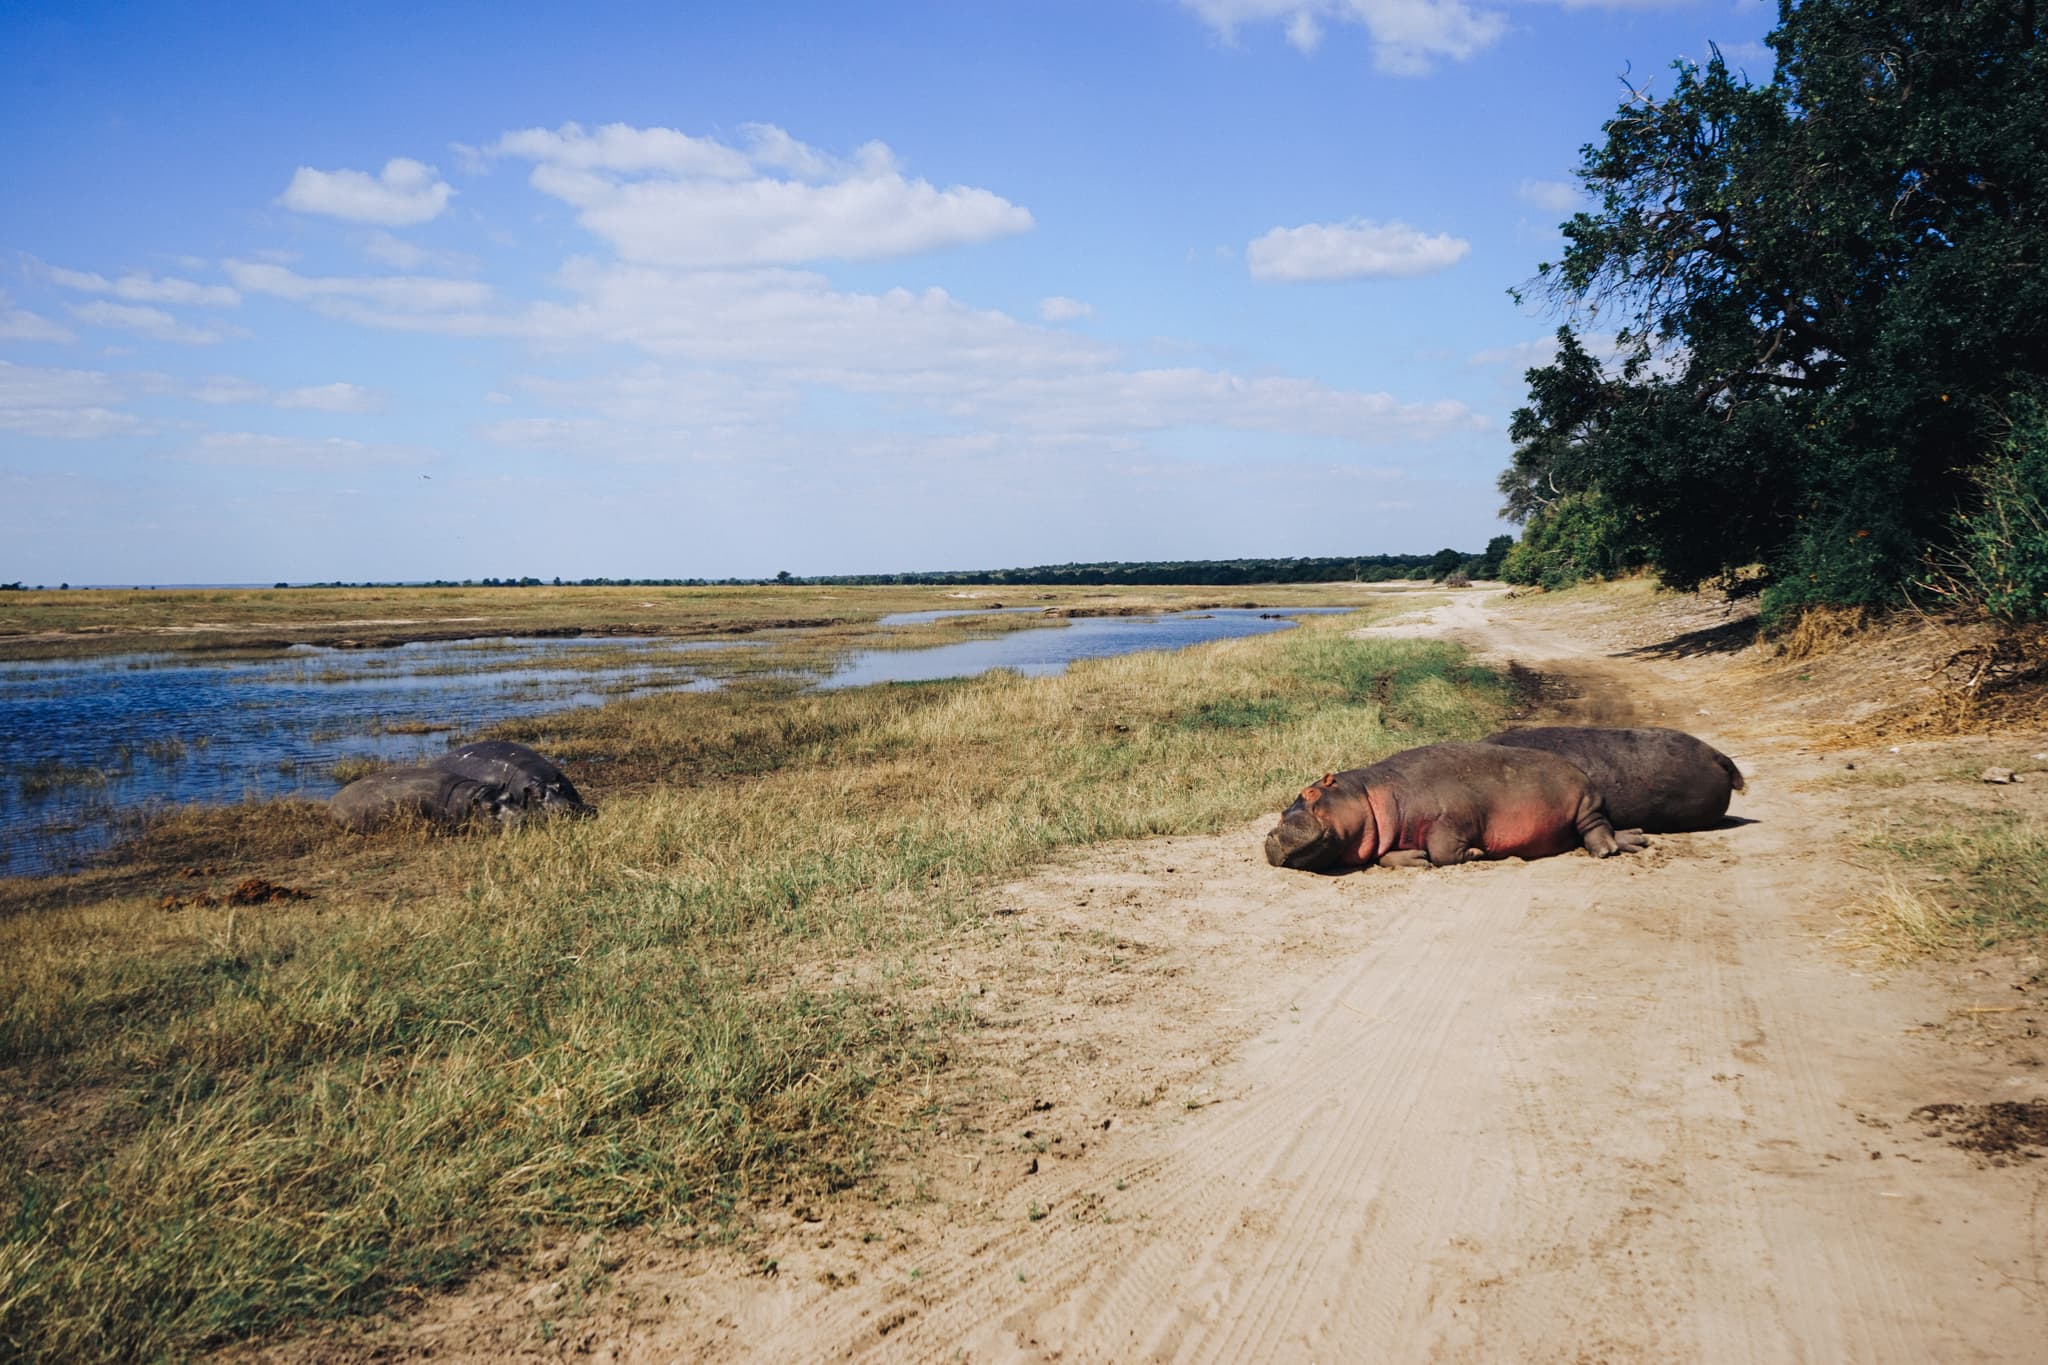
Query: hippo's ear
x,y
1311,795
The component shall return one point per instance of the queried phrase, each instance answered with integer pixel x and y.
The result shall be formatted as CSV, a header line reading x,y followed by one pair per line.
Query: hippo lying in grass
x,y
423,793
1653,779
537,786
491,782
1447,803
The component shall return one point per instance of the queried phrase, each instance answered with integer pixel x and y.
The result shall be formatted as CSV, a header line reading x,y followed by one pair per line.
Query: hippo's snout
x,y
1299,841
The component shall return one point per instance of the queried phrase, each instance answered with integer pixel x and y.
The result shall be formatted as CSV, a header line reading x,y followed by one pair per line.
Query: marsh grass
x,y
1989,886
37,780
222,1122
253,622
349,769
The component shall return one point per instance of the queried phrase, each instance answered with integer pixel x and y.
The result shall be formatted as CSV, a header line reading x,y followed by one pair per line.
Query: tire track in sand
x,y
1570,1110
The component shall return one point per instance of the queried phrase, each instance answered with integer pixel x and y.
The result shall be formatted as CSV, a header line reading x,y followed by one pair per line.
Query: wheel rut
x,y
1639,1109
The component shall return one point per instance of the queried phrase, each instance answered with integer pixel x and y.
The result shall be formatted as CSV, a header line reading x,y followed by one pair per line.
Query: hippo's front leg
x,y
1405,857
1603,840
1448,847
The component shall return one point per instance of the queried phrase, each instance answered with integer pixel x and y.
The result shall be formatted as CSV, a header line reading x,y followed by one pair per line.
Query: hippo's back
x,y
1655,779
535,783
429,793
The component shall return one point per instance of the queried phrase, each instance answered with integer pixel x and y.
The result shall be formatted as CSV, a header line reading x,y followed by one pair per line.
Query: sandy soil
x,y
1646,1109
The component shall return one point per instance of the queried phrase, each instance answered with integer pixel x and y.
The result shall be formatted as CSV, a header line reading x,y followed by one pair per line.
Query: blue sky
x,y
399,291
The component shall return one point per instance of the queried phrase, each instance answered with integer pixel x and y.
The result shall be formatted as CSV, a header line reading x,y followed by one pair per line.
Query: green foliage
x,y
1854,544
1999,564
1488,564
1573,539
1109,573
1825,289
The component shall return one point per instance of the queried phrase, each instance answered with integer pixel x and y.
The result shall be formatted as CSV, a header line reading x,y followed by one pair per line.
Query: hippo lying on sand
x,y
531,782
1447,803
1656,780
442,797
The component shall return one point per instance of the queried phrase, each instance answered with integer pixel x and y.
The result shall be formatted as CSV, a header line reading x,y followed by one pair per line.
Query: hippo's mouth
x,y
1303,851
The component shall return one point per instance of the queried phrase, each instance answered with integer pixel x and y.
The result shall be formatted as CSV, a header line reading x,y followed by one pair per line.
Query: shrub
x,y
1573,539
1998,566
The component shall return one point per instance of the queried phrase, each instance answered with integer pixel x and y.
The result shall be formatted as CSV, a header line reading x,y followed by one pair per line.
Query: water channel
x,y
89,743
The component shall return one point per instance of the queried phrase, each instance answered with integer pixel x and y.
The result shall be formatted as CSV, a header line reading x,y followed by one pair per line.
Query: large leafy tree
x,y
1825,291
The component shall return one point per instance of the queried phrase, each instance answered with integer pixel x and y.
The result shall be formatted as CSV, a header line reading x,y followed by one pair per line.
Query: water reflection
x,y
87,740
1040,652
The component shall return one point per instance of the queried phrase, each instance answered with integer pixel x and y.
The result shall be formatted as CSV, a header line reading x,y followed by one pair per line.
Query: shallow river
x,y
90,743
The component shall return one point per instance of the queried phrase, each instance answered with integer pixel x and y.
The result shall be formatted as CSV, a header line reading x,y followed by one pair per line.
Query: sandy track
x,y
1633,1110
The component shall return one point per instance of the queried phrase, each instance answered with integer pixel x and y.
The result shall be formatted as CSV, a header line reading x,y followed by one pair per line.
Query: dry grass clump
x,y
1821,630
1988,887
1901,923
697,998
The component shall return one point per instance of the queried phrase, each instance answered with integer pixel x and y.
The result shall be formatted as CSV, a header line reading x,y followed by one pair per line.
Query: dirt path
x,y
1634,1110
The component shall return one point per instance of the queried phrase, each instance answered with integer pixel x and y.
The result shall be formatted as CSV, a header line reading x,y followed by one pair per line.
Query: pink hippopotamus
x,y
1652,778
1443,804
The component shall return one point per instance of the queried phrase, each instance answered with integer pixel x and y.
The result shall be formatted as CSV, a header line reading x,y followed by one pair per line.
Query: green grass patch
x,y
218,1124
1993,886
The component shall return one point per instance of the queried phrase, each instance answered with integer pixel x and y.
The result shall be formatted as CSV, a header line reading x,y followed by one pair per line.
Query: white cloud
x,y
1751,57
1058,308
332,398
392,293
153,323
386,249
389,249
62,404
794,320
782,331
1552,196
1088,403
18,324
1528,355
406,192
1358,249
232,390
1522,355
226,389
619,147
140,288
661,196
1408,36
265,451
770,146
660,396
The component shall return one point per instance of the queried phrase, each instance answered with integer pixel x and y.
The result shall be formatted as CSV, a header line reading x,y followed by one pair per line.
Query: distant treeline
x,y
1205,572
1115,573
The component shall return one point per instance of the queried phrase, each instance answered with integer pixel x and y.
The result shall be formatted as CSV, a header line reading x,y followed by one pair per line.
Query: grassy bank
x,y
220,1121
87,622
1982,884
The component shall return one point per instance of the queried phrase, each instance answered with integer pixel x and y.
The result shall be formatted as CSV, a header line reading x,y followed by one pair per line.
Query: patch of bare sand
x,y
1641,1109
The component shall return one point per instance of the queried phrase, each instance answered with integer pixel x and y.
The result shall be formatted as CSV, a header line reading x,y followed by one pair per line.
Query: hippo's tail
x,y
1728,766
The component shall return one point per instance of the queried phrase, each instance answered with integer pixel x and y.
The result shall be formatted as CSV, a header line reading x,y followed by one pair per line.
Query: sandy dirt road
x,y
1646,1109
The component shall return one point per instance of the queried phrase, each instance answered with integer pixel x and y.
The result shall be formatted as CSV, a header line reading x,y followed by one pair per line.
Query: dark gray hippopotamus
x,y
1447,803
444,798
535,785
1653,779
